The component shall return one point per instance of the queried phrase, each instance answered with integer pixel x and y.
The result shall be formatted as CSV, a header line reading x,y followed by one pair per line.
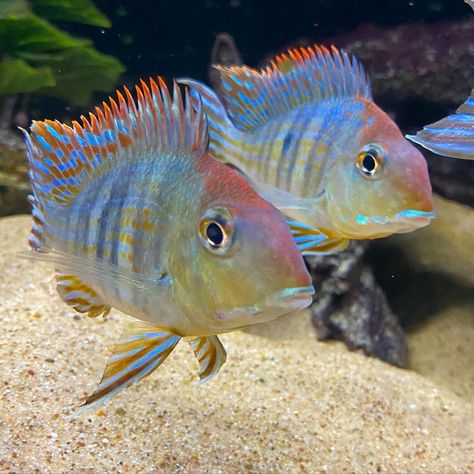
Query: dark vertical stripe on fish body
x,y
320,131
286,137
267,141
118,196
300,122
103,225
86,219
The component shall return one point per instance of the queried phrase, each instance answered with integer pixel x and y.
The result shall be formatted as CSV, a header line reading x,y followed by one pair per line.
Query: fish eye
x,y
216,230
369,161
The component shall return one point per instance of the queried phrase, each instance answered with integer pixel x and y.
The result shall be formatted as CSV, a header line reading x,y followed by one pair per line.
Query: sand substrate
x,y
277,406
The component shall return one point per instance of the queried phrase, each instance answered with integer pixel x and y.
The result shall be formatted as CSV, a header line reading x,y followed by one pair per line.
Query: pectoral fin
x,y
312,241
211,356
141,351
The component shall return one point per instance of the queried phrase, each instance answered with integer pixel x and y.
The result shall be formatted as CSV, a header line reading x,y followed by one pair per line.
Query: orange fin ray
x,y
300,76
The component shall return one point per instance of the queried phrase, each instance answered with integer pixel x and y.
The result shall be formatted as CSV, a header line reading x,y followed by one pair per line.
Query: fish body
x,y
134,214
309,138
451,136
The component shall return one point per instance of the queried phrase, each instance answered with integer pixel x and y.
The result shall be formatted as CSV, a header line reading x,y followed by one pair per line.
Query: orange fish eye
x,y
216,229
369,161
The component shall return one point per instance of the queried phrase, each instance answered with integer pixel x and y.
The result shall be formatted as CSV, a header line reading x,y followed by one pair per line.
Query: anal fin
x,y
142,349
211,355
78,295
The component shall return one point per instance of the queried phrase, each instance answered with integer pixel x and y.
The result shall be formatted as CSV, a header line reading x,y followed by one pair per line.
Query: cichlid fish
x,y
308,136
452,136
135,214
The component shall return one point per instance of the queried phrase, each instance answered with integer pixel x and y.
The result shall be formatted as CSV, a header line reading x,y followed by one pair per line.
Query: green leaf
x,y
14,7
32,34
81,71
78,11
16,76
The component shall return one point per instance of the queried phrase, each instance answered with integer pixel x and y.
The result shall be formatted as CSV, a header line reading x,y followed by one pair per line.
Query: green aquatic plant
x,y
37,57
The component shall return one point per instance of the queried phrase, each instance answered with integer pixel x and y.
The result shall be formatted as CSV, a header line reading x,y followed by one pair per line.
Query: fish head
x,y
245,267
381,185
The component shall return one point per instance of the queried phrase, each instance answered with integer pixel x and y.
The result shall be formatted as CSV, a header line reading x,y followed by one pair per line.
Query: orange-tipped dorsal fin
x,y
152,125
297,77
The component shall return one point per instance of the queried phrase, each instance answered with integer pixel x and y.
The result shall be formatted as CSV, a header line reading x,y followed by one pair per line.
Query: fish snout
x,y
416,181
286,256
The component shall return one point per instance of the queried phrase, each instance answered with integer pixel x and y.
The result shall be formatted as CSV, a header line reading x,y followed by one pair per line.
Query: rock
x,y
440,347
432,62
350,306
286,406
445,247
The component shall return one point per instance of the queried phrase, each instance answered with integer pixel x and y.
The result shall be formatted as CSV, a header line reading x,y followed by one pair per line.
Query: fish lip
x,y
277,304
410,214
291,298
412,218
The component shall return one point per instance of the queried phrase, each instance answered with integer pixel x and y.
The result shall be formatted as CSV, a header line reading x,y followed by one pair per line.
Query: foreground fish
x,y
134,214
452,136
309,138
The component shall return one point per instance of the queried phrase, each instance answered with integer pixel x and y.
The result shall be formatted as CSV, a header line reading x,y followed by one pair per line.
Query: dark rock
x,y
350,306
429,62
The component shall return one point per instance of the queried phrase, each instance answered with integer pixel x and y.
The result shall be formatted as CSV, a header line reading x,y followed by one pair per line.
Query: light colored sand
x,y
277,406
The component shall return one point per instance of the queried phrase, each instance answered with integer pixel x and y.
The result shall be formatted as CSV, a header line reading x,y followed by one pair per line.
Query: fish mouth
x,y
404,221
277,304
414,218
290,298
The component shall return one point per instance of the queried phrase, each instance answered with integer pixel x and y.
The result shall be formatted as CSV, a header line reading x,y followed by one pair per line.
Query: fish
x,y
470,3
309,138
451,136
133,213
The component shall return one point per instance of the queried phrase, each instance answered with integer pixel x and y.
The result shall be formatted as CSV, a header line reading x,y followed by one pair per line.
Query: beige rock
x,y
277,406
446,246
441,348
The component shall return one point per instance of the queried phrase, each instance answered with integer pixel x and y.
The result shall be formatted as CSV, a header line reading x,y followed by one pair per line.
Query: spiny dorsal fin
x,y
62,157
300,76
451,136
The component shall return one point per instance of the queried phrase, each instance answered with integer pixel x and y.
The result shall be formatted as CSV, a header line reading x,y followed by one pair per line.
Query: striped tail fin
x,y
452,136
224,136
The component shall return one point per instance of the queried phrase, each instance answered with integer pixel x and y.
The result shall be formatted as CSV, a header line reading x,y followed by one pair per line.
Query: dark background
x,y
174,38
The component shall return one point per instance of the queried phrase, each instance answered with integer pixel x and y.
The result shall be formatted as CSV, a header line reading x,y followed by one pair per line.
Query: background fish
x,y
134,214
308,136
452,136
